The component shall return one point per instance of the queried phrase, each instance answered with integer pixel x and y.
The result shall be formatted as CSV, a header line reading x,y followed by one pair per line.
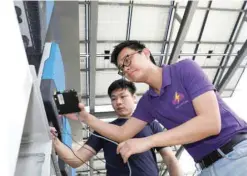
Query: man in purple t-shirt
x,y
185,102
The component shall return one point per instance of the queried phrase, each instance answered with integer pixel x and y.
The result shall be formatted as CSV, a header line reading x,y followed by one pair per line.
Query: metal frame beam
x,y
184,27
129,19
168,31
202,29
87,48
93,28
205,67
167,6
177,17
170,35
163,54
236,63
162,41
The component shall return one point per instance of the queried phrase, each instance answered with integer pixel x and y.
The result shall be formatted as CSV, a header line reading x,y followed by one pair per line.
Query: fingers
x,y
53,132
81,106
125,151
119,147
126,156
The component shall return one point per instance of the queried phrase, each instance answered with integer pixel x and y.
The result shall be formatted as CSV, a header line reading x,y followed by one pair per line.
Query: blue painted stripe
x,y
49,9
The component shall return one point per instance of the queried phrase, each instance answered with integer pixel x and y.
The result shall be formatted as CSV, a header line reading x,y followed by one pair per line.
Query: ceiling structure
x,y
211,33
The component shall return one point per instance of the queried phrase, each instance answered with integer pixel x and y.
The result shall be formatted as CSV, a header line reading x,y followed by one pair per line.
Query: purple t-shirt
x,y
181,83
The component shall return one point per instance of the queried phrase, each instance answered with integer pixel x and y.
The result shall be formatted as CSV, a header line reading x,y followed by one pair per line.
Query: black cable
x,y
98,172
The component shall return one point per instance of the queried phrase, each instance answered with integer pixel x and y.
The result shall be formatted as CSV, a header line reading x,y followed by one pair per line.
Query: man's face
x,y
137,63
123,102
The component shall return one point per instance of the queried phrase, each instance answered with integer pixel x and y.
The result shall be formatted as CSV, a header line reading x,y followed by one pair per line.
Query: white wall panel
x,y
226,94
118,1
82,22
232,83
219,26
243,33
159,2
112,22
83,83
230,4
154,47
103,80
210,73
82,48
148,23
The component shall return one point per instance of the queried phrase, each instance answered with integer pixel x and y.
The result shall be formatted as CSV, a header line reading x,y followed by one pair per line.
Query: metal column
x,y
168,33
129,20
184,27
93,29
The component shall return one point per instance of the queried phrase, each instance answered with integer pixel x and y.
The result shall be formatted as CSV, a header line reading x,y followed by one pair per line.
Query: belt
x,y
227,148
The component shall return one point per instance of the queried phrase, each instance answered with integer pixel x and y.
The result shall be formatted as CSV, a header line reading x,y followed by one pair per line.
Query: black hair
x,y
132,44
122,84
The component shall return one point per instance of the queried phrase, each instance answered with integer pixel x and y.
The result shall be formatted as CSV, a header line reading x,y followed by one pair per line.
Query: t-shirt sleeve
x,y
194,79
156,128
95,142
143,110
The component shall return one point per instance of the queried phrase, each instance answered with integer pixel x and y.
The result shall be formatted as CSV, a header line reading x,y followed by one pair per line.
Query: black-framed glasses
x,y
126,62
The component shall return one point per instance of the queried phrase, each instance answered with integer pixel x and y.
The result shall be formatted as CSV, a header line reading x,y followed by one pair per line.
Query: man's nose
x,y
119,101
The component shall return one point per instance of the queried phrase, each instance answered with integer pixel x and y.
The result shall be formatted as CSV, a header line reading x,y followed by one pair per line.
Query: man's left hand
x,y
133,146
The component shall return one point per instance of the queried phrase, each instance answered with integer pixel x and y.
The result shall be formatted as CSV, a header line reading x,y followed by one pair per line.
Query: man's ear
x,y
146,52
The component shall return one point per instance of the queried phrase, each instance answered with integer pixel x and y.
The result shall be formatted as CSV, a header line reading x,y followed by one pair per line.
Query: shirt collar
x,y
166,81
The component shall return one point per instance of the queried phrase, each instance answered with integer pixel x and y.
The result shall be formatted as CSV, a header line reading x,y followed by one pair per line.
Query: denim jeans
x,y
232,164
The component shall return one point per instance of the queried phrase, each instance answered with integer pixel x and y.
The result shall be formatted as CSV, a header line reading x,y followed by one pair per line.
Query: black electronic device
x,y
67,101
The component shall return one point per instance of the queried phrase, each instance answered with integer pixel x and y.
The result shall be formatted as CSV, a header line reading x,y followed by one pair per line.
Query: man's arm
x,y
68,157
85,153
206,123
171,162
111,131
114,132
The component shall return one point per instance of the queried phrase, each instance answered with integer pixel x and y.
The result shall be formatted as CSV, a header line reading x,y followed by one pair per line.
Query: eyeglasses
x,y
126,62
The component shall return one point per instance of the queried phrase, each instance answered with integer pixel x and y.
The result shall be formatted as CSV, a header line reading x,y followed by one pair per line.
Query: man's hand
x,y
83,114
133,146
53,133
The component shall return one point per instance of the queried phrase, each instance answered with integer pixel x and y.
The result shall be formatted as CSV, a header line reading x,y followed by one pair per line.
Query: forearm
x,y
173,166
113,132
191,131
66,154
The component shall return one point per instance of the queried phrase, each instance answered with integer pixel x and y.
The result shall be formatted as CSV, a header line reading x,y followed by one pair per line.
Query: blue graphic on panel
x,y
54,69
49,8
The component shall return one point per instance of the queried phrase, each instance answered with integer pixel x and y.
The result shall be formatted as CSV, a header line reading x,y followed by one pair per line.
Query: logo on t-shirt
x,y
178,97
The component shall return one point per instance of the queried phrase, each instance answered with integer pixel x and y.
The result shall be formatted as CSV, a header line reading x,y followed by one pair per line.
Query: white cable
x,y
130,172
